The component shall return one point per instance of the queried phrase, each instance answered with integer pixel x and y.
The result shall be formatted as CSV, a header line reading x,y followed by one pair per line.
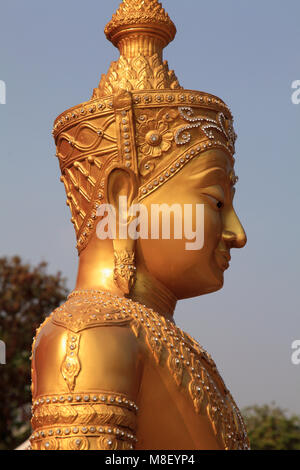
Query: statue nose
x,y
236,239
233,234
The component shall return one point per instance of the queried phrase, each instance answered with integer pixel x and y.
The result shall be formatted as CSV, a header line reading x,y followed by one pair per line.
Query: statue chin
x,y
213,288
198,291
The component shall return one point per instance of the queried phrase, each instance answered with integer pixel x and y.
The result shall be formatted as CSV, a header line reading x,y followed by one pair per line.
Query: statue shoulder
x,y
86,370
78,314
89,346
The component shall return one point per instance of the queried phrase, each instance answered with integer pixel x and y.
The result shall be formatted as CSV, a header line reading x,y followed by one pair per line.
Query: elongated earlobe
x,y
122,186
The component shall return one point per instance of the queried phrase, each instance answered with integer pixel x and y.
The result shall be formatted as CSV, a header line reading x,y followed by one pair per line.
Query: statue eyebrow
x,y
214,174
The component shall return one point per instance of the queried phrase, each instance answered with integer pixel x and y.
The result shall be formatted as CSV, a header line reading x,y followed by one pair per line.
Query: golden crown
x,y
139,118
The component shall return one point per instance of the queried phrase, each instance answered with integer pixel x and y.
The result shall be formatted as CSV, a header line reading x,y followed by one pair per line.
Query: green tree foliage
x,y
270,428
27,295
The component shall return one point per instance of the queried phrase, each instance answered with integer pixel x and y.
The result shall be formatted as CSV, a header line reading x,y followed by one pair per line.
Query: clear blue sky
x,y
52,54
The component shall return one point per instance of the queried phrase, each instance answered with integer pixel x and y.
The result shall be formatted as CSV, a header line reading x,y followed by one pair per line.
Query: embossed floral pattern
x,y
154,137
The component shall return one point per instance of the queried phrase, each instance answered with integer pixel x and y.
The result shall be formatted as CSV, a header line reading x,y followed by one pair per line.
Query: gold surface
x,y
110,369
160,363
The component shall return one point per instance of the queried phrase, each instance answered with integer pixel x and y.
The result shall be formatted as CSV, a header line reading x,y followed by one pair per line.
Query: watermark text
x,y
296,94
164,222
295,358
2,352
2,92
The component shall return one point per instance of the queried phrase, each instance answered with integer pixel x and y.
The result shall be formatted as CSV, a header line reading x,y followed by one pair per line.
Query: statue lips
x,y
223,257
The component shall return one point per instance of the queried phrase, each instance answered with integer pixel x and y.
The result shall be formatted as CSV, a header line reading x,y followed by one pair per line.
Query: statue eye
x,y
214,200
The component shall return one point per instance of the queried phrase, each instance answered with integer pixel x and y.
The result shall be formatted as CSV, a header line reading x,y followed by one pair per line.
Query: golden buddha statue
x,y
110,369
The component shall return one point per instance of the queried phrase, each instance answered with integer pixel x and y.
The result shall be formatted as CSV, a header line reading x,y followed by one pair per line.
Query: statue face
x,y
189,273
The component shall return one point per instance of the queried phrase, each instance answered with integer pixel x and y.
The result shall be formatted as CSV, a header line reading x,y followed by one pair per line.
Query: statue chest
x,y
184,403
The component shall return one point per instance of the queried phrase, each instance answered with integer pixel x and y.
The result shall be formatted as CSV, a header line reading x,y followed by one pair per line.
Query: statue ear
x,y
121,193
121,183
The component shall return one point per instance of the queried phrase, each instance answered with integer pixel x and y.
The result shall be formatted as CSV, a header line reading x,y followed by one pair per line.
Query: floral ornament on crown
x,y
154,138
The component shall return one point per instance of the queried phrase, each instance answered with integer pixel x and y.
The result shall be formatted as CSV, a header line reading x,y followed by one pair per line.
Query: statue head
x,y
144,138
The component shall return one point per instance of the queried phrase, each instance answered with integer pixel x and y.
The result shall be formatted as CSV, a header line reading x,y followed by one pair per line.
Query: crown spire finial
x,y
140,26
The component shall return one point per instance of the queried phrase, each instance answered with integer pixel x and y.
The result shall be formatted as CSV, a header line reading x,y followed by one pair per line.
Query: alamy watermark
x,y
2,352
296,94
133,222
2,92
295,358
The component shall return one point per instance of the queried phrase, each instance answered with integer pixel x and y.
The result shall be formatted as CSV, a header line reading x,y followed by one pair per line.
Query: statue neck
x,y
153,294
96,268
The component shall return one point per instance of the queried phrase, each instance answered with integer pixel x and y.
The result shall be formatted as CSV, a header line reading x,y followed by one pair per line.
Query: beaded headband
x,y
139,118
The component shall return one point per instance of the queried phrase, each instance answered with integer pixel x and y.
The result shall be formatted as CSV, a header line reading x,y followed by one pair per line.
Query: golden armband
x,y
91,421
